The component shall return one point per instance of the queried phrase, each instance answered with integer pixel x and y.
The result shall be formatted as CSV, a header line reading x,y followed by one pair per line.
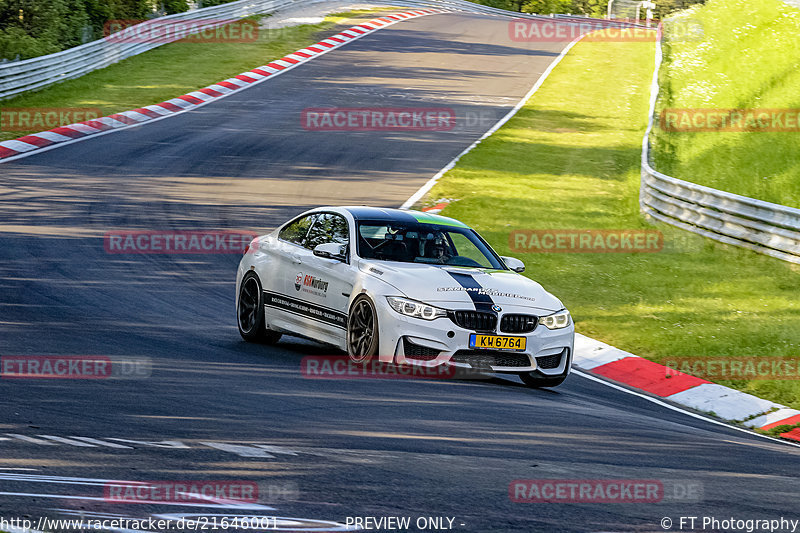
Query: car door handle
x,y
296,260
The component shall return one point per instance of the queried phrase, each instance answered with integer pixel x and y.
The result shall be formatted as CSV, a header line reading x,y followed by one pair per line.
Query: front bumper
x,y
436,342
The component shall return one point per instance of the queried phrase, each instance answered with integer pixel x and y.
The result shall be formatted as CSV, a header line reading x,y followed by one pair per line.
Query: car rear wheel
x,y
362,331
250,312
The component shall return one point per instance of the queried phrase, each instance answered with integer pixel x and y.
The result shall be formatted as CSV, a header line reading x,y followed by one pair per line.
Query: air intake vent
x,y
483,359
549,361
421,353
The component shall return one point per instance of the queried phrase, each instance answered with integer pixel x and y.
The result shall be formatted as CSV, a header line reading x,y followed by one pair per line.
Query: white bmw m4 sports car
x,y
404,287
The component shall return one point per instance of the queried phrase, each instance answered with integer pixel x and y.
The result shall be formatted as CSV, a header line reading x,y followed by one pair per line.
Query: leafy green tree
x,y
173,6
545,7
15,43
211,3
44,22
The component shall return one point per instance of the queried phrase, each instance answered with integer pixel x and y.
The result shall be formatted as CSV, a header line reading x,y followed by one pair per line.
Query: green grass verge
x,y
172,70
570,159
746,59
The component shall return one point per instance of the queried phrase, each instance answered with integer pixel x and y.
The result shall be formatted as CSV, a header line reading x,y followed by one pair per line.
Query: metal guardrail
x,y
764,227
22,76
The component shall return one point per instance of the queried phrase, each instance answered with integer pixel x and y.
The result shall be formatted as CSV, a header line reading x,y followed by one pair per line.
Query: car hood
x,y
455,285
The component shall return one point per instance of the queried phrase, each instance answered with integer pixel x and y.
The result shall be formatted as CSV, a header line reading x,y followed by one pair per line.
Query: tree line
x,y
586,8
30,28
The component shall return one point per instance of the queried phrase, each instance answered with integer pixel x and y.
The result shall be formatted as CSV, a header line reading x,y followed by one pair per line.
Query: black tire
x,y
362,330
250,312
537,380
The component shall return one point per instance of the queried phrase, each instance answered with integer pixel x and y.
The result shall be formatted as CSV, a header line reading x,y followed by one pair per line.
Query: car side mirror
x,y
514,264
331,250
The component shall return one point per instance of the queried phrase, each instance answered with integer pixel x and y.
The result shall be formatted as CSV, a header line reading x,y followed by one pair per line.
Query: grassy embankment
x,y
746,59
570,159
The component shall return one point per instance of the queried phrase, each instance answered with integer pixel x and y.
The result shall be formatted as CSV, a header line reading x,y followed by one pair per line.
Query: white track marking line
x,y
71,442
240,450
14,529
101,443
32,440
679,409
37,478
155,444
243,506
422,191
277,449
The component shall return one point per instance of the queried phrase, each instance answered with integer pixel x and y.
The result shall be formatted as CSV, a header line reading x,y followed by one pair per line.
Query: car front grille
x,y
475,320
421,353
484,358
513,323
549,361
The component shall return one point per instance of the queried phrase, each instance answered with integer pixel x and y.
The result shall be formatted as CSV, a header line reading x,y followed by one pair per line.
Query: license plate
x,y
496,342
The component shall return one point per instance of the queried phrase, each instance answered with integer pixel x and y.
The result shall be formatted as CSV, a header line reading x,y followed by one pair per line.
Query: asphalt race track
x,y
331,449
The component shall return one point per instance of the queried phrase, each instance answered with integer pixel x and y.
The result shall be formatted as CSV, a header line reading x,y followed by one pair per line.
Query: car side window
x,y
297,231
328,227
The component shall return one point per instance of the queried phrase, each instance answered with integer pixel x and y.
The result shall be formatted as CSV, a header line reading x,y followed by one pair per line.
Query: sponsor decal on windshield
x,y
486,292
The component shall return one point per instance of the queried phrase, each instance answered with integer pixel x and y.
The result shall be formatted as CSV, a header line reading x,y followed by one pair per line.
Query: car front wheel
x,y
362,330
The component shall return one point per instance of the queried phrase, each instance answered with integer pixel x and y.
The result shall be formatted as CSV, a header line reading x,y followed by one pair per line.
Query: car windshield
x,y
424,243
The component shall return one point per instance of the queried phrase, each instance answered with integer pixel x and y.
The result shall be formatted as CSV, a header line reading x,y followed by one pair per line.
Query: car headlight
x,y
557,320
407,307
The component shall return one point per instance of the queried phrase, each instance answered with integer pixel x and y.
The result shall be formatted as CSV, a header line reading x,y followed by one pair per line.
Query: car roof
x,y
400,215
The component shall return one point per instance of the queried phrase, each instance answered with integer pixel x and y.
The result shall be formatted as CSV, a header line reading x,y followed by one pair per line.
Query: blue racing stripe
x,y
481,300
